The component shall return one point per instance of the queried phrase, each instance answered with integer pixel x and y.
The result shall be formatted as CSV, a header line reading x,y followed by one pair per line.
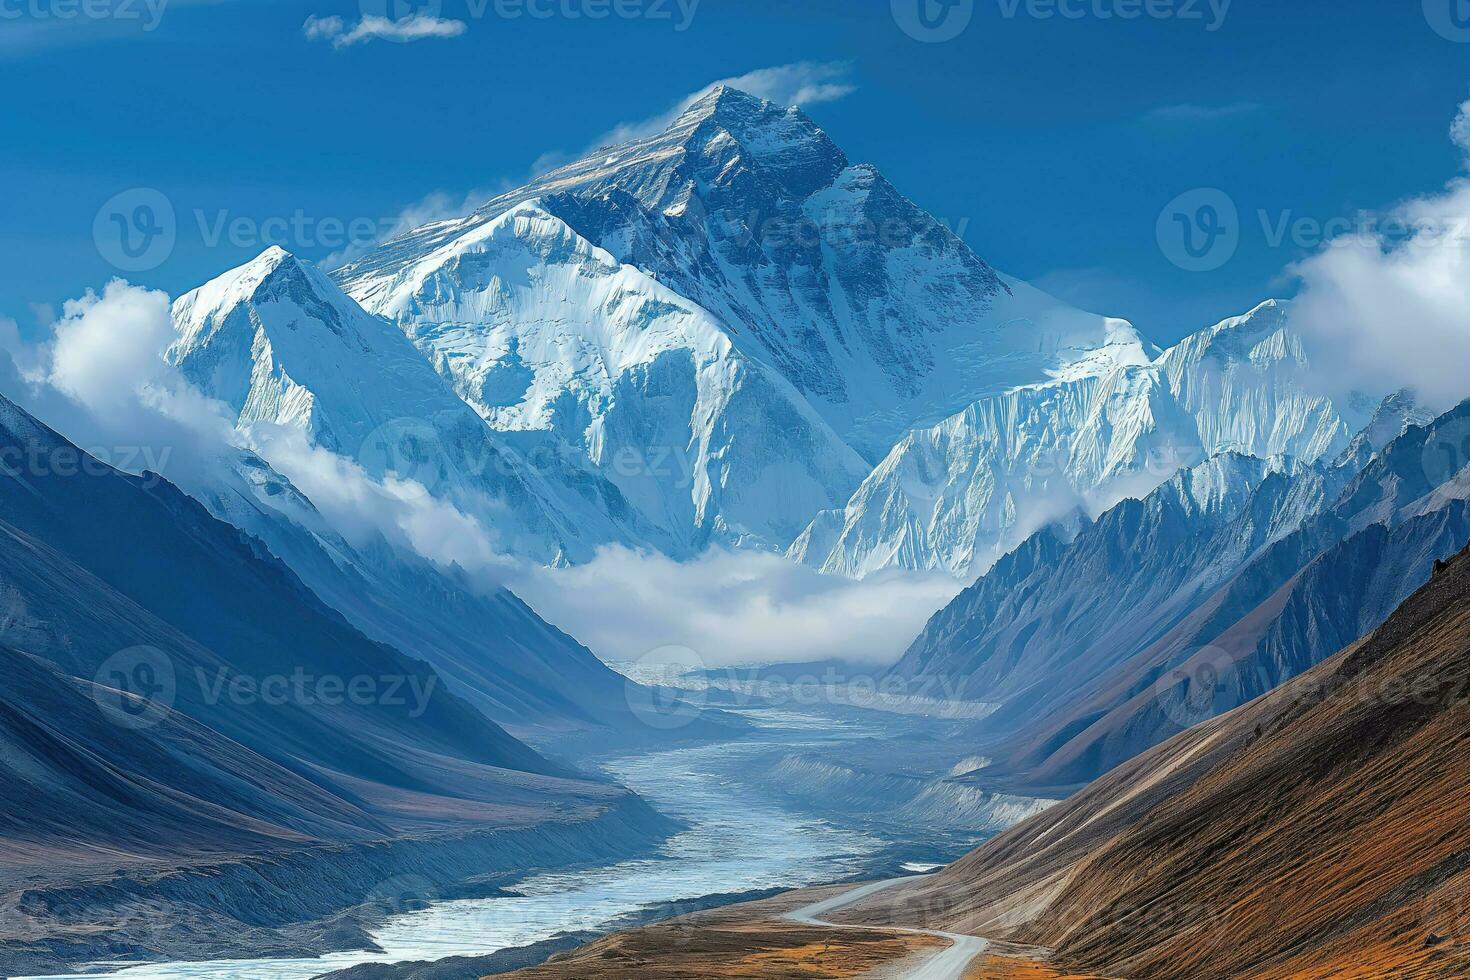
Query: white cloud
x,y
359,507
734,607
106,348
99,379
103,384
1460,131
803,83
1393,310
417,27
1193,112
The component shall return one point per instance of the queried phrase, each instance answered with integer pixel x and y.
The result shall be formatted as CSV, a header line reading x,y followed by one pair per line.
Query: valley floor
x,y
866,808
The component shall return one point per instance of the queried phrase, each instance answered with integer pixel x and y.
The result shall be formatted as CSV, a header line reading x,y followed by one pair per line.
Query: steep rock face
x,y
1246,384
490,647
279,343
1210,617
1316,831
727,320
959,495
547,335
99,565
1073,609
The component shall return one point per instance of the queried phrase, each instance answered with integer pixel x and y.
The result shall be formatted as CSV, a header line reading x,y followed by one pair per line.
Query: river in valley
x,y
739,837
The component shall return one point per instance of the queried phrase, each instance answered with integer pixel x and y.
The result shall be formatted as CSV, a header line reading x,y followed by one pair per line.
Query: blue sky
x,y
1054,143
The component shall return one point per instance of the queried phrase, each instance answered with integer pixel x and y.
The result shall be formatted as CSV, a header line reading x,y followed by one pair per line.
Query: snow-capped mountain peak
x,y
278,341
729,333
958,495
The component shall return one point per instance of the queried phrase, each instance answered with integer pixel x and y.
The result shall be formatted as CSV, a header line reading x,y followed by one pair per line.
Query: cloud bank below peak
x,y
734,608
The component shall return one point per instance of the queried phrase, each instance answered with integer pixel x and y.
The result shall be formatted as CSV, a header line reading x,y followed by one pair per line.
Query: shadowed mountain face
x,y
489,646
1318,831
1208,592
168,670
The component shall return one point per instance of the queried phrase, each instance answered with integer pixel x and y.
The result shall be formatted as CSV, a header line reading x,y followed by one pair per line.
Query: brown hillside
x,y
1320,831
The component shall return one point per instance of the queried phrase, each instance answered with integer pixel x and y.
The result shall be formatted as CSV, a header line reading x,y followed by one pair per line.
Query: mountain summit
x,y
731,308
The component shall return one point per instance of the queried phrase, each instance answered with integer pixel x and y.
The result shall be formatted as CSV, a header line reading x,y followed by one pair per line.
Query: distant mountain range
x,y
959,495
1227,581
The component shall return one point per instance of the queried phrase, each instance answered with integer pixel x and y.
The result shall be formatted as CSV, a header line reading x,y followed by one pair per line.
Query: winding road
x,y
947,964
